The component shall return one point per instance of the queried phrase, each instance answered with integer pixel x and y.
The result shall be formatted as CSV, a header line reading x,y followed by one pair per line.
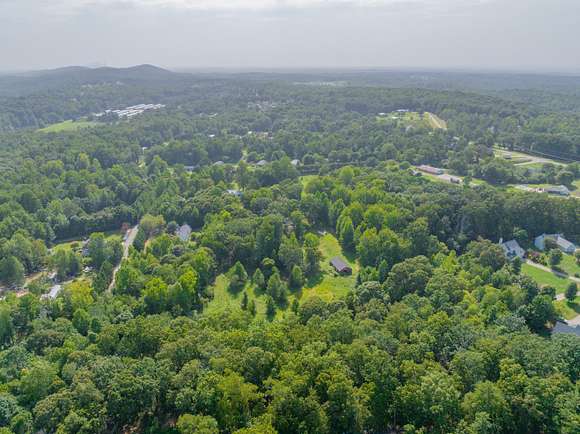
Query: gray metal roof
x,y
339,264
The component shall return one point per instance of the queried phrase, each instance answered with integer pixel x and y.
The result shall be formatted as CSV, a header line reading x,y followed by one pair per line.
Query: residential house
x,y
233,192
512,250
295,163
562,243
563,327
340,265
430,169
184,232
261,163
560,190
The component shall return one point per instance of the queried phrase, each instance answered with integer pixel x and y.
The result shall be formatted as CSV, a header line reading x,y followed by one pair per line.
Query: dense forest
x,y
247,324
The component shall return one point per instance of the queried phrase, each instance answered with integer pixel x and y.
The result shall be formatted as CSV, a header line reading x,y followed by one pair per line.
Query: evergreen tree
x,y
238,277
296,278
270,307
571,291
258,280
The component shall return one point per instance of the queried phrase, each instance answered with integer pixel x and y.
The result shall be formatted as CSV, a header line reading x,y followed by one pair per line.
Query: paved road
x,y
126,244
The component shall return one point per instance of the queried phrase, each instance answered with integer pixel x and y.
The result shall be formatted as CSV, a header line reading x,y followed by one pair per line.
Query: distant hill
x,y
39,81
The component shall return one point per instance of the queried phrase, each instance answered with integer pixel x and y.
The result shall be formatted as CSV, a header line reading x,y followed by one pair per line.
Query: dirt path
x,y
126,244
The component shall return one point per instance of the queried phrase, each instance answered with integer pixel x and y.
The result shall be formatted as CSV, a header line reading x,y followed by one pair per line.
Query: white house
x,y
184,232
512,250
562,243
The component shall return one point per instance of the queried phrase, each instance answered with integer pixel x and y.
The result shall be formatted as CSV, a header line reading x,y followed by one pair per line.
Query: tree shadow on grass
x,y
574,306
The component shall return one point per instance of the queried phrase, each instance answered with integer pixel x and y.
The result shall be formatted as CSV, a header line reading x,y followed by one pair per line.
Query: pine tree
x,y
258,280
252,307
571,291
244,303
270,307
296,278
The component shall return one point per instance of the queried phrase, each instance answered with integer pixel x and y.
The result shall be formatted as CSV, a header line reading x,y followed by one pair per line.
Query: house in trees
x,y
562,243
560,190
512,250
340,265
184,232
234,192
430,169
261,163
295,162
562,327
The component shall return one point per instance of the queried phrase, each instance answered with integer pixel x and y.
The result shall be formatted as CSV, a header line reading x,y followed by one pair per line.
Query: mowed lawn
x,y
545,278
568,265
331,285
568,309
328,285
68,126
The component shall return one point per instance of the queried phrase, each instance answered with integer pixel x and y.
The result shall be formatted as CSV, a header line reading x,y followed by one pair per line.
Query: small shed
x,y
340,265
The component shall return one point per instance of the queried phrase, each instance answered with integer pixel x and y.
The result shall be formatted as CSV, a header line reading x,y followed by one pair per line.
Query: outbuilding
x,y
340,265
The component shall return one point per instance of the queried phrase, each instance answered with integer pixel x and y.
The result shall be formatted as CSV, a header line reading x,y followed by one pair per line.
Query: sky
x,y
511,35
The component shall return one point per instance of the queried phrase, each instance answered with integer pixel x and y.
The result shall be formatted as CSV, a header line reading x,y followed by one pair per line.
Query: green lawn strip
x,y
545,278
568,265
67,126
568,309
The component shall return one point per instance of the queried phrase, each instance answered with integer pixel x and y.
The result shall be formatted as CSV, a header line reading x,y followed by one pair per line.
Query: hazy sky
x,y
488,34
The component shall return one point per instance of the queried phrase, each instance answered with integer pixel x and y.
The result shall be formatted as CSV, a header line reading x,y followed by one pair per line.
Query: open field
x,y
68,126
545,278
414,119
435,121
327,285
331,285
523,159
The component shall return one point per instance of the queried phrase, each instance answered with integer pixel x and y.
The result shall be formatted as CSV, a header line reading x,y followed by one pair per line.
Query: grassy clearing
x,y
69,125
576,188
545,278
330,285
327,285
435,121
568,309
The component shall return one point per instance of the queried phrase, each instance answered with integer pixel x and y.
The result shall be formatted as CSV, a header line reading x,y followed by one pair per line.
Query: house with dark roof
x,y
183,232
512,250
562,327
562,243
430,169
560,190
340,265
